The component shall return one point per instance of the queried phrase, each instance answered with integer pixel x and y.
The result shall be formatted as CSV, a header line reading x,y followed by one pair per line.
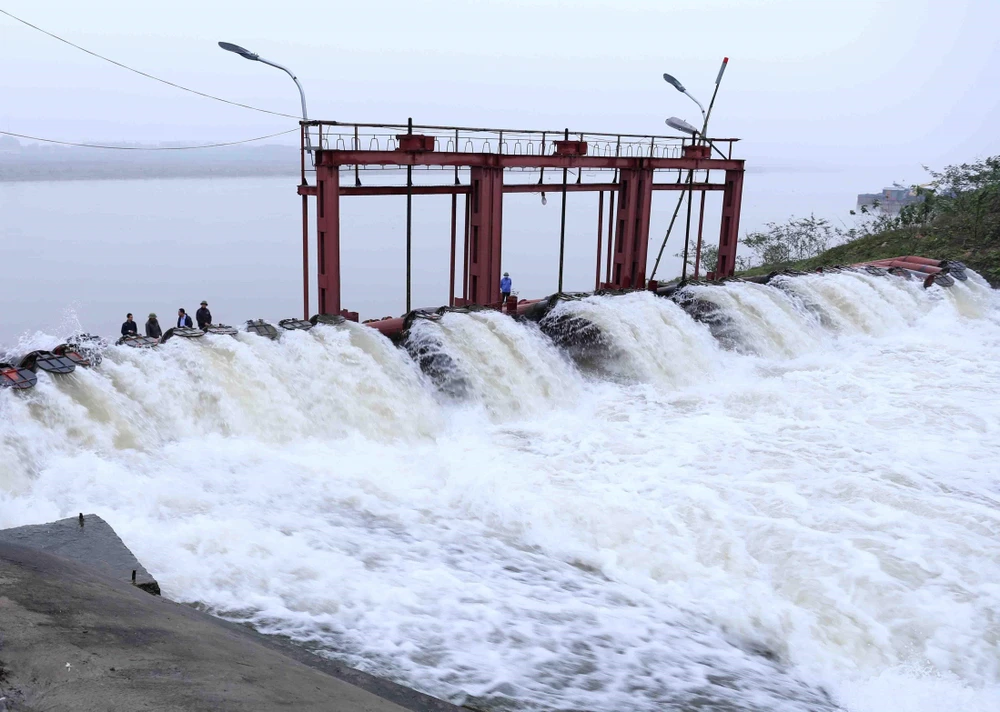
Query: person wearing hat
x,y
153,329
204,316
505,286
183,319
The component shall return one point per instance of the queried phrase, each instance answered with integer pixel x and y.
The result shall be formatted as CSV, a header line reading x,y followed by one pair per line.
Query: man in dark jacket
x,y
204,316
129,327
153,329
183,319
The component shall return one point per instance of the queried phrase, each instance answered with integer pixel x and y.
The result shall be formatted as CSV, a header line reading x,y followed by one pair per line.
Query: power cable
x,y
145,148
144,74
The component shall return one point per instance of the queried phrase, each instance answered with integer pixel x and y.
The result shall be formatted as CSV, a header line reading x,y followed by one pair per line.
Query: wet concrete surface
x,y
87,540
74,638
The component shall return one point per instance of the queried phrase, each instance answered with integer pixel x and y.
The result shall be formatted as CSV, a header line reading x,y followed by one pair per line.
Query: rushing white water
x,y
805,520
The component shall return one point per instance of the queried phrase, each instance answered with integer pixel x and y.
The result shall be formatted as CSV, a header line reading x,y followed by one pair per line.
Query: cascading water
x,y
803,517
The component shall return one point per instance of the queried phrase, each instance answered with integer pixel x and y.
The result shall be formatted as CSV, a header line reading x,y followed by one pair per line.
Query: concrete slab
x,y
73,638
88,540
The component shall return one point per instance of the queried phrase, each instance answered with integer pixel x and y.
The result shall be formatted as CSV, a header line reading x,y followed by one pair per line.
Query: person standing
x,y
204,316
505,286
183,319
153,329
129,327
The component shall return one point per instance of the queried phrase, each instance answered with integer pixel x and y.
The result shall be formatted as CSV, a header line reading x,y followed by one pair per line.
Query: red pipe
x,y
912,266
393,326
389,327
922,261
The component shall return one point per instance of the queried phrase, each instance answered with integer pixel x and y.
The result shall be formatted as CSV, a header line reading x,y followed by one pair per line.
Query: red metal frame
x,y
732,198
487,157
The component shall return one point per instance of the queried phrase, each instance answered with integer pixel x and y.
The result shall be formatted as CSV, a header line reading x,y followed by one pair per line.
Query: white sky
x,y
810,83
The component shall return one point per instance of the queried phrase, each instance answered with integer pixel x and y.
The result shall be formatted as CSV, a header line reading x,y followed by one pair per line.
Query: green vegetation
x,y
958,219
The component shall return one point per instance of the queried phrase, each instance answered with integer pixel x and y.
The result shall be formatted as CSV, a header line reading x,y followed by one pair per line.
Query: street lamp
x,y
682,126
673,81
247,54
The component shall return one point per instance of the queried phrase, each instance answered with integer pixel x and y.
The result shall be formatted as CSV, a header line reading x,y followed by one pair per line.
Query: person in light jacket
x,y
183,319
153,329
505,286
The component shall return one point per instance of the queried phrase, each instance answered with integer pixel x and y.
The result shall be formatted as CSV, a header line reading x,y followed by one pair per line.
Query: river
x,y
804,520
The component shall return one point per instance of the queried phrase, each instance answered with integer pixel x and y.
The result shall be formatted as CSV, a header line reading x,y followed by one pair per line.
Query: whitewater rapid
x,y
799,512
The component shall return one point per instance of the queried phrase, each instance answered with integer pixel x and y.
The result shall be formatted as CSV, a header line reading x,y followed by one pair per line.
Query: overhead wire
x,y
146,74
145,148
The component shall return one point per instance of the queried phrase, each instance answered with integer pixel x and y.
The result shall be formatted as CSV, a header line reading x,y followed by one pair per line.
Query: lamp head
x,y
682,126
675,83
236,49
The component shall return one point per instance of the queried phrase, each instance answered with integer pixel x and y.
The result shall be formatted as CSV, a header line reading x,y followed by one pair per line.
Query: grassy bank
x,y
982,255
958,218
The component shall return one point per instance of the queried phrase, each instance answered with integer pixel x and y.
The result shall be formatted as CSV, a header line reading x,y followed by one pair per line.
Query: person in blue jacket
x,y
505,286
183,319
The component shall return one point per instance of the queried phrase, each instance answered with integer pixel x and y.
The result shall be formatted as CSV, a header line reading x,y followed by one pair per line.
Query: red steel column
x,y
328,238
485,224
451,263
632,229
732,199
641,248
305,256
612,196
600,230
624,228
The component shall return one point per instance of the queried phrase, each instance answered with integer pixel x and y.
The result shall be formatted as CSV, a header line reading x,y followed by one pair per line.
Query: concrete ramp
x,y
87,540
74,639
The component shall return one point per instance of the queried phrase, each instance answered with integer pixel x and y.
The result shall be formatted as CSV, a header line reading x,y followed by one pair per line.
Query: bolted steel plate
x,y
187,332
262,328
13,377
139,342
295,324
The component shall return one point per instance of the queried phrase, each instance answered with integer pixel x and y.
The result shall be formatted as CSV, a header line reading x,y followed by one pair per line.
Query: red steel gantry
x,y
480,159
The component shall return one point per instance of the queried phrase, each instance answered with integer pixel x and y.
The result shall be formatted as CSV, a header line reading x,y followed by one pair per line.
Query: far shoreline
x,y
85,175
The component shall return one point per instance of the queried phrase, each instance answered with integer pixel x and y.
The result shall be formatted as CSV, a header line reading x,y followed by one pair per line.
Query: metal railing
x,y
338,136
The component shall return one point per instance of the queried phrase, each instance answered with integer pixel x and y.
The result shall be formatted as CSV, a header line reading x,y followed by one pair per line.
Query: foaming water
x,y
506,367
806,521
644,338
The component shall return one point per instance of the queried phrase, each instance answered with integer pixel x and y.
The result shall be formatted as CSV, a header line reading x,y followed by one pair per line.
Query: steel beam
x,y
732,199
510,188
328,239
632,230
483,237
494,160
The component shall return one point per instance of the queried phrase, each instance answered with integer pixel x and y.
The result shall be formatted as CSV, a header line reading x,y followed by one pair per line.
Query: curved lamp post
x,y
675,83
684,127
247,54
253,57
